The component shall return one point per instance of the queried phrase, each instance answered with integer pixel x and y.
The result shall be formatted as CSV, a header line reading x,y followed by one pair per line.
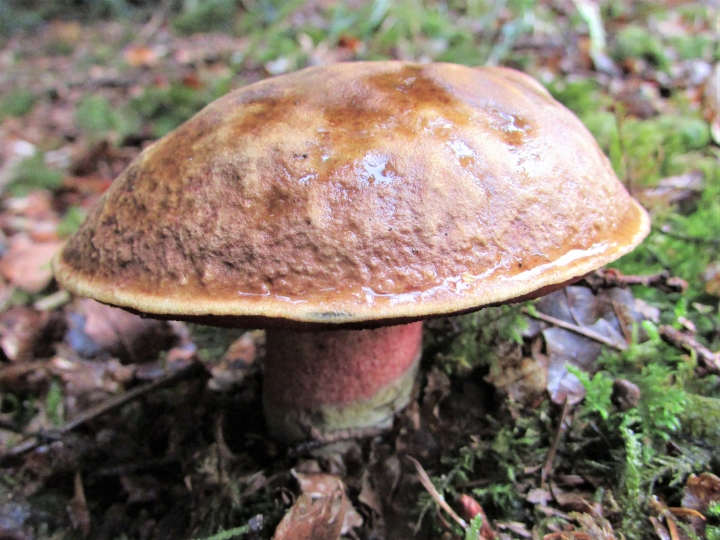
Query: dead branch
x,y
575,328
33,440
708,359
606,278
550,459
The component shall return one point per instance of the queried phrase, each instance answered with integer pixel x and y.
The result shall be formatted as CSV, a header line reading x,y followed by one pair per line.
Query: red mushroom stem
x,y
340,379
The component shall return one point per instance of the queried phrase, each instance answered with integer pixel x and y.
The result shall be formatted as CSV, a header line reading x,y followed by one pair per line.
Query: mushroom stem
x,y
341,379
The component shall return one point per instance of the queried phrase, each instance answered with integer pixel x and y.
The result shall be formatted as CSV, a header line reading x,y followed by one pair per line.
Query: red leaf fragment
x,y
140,55
321,512
27,263
469,509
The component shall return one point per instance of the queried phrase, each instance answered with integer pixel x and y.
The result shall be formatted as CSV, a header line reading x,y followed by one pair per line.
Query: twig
x,y
52,301
155,22
610,277
36,439
676,338
439,499
574,328
550,459
685,238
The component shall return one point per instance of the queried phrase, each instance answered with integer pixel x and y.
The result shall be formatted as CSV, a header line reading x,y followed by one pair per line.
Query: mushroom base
x,y
319,383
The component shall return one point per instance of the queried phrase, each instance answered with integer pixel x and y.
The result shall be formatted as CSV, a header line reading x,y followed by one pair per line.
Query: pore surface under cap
x,y
357,192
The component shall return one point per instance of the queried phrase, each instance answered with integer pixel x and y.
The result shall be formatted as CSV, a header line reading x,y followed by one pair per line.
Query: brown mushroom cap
x,y
353,194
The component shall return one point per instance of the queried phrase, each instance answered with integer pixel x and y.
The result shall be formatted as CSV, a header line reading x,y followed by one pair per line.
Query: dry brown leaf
x,y
233,366
683,191
711,276
313,518
469,509
27,264
579,310
77,508
369,496
24,377
539,496
96,327
88,383
319,485
19,330
701,491
523,381
140,55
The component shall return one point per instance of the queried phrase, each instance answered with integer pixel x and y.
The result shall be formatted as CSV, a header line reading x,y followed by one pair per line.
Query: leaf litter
x,y
591,413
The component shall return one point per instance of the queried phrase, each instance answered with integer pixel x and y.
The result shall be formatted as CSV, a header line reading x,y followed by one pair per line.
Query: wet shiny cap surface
x,y
355,193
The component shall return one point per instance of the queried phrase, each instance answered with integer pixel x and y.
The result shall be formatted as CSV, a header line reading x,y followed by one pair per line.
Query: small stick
x,y
439,499
36,439
574,328
155,22
550,459
676,338
610,277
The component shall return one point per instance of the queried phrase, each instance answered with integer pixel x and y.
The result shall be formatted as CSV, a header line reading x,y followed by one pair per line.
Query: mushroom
x,y
337,204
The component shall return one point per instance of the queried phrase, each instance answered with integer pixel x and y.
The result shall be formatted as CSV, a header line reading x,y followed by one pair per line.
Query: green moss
x,y
99,118
634,42
70,223
17,103
167,108
459,344
54,404
212,342
581,96
32,173
700,419
206,16
693,46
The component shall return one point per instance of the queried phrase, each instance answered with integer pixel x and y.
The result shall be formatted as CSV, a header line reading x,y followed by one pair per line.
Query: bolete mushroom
x,y
336,204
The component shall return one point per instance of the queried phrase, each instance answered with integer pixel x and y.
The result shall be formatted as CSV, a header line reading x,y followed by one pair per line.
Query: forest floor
x,y
115,427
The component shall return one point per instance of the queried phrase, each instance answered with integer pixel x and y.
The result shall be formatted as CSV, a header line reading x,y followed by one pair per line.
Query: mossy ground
x,y
188,462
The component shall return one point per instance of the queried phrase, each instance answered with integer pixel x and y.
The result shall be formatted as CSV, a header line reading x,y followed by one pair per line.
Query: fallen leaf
x,y
701,491
27,263
96,327
594,526
234,364
684,191
523,381
469,509
88,383
625,395
310,519
608,315
77,508
19,327
539,496
140,55
24,378
711,276
319,485
369,496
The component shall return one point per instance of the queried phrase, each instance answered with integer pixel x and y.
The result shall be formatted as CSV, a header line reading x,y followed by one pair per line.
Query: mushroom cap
x,y
360,194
